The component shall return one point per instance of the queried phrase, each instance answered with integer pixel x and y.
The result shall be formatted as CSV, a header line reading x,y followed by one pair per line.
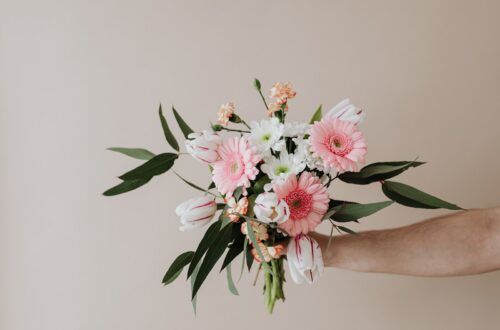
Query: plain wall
x,y
79,76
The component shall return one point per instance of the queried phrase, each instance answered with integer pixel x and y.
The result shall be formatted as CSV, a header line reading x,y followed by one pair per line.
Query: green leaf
x,y
255,244
249,257
258,186
207,240
155,166
212,256
234,250
347,230
186,130
230,282
193,279
176,268
351,212
256,84
412,197
378,172
138,153
168,133
318,114
189,183
125,186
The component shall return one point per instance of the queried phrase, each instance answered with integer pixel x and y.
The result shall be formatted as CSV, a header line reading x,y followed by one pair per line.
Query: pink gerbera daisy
x,y
338,143
307,200
236,166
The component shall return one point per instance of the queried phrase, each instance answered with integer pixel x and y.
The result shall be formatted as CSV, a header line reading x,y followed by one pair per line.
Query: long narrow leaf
x,y
410,196
234,250
352,212
207,240
186,130
378,171
212,256
190,183
168,133
155,166
176,267
138,153
125,186
230,283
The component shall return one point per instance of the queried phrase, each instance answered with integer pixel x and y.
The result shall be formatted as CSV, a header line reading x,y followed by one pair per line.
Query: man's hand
x,y
463,243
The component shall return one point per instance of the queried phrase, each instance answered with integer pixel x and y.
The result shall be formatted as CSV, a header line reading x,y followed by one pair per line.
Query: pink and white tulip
x,y
347,111
196,212
203,146
305,261
270,209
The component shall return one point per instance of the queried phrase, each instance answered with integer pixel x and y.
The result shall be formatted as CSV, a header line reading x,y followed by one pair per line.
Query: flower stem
x,y
234,130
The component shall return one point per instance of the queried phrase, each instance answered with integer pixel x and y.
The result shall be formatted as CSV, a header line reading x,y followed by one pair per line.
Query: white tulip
x,y
196,212
345,110
305,261
203,146
269,209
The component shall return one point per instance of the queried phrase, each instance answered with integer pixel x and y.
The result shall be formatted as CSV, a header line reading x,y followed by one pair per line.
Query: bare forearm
x,y
462,243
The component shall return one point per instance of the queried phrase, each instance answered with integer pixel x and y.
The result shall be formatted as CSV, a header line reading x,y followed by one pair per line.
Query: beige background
x,y
79,76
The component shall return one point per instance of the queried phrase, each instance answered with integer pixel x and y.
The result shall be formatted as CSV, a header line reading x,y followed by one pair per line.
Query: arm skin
x,y
463,243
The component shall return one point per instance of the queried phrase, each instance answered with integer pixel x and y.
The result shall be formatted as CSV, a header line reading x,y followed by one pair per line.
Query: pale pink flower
x,y
236,208
339,143
225,112
282,92
345,110
203,146
196,212
307,200
236,166
275,107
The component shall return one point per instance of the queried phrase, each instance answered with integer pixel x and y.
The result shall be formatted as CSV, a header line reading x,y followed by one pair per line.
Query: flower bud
x,y
347,111
196,212
203,146
305,261
269,209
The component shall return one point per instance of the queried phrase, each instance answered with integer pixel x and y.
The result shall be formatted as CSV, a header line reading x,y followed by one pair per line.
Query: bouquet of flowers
x,y
270,184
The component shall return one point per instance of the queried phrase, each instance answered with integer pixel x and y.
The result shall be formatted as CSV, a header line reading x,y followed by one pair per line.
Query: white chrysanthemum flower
x,y
278,169
303,152
264,135
296,129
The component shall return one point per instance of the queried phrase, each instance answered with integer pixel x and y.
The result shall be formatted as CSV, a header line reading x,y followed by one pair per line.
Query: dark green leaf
x,y
211,186
336,202
318,114
189,183
138,153
155,166
351,212
213,254
207,240
249,257
258,186
230,282
256,84
176,268
347,230
125,186
168,133
186,130
378,171
412,197
234,250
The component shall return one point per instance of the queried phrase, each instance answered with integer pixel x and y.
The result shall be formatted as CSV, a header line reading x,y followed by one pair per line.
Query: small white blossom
x,y
278,169
264,135
269,209
296,129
